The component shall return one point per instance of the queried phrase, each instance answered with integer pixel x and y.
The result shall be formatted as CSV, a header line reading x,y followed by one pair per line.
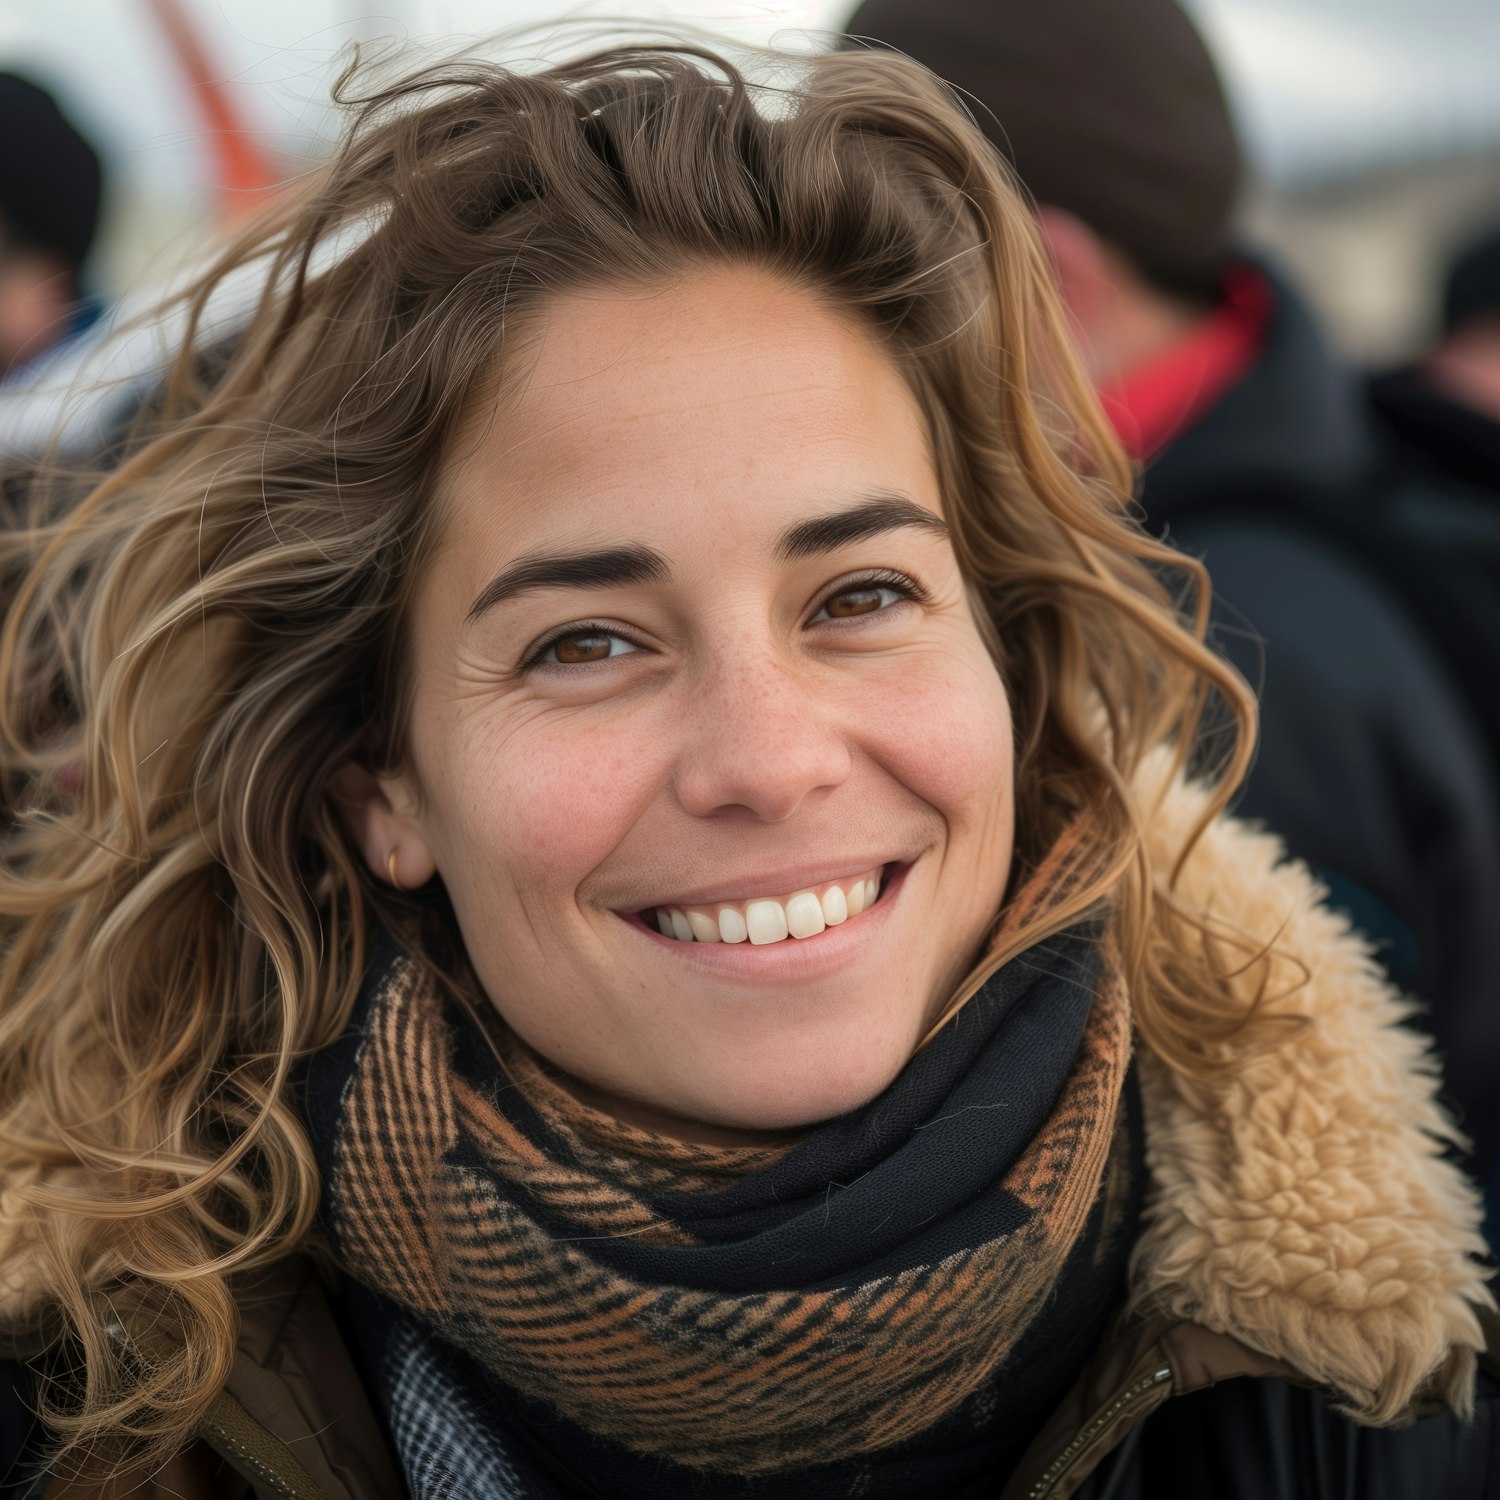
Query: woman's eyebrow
x,y
879,513
636,563
608,568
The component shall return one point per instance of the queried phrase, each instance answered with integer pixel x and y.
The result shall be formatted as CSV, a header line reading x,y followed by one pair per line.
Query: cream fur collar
x,y
1299,1203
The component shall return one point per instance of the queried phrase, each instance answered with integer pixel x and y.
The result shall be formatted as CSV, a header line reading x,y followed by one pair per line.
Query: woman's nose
x,y
759,737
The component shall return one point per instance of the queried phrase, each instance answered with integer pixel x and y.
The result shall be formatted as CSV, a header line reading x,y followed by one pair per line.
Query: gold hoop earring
x,y
390,870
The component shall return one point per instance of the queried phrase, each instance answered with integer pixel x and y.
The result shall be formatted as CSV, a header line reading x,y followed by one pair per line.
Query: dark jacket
x,y
1372,764
1439,526
1306,1245
1164,1409
1438,532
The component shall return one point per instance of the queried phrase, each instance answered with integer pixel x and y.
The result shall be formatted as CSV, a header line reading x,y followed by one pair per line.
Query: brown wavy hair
x,y
197,639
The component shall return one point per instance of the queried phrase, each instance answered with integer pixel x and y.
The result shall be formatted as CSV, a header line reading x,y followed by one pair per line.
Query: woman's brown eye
x,y
573,649
854,602
582,647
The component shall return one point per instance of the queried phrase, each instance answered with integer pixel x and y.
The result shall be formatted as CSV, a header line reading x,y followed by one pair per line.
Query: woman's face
x,y
695,641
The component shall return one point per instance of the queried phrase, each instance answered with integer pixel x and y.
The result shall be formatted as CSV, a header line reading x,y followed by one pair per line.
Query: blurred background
x,y
1374,125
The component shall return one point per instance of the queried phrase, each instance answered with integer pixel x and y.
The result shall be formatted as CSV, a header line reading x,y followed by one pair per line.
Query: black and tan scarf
x,y
746,1311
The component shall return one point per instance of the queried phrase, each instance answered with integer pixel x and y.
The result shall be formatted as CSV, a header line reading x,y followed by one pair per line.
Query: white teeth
x,y
804,915
766,921
705,929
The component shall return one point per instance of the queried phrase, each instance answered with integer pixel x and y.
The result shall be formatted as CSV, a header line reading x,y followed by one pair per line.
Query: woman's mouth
x,y
796,916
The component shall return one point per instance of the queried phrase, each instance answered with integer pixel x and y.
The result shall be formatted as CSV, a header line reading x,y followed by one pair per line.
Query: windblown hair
x,y
200,637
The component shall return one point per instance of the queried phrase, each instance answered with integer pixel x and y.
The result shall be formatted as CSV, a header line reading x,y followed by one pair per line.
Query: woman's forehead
x,y
725,406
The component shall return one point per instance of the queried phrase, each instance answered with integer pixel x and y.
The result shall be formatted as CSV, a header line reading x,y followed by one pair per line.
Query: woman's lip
x,y
771,885
792,960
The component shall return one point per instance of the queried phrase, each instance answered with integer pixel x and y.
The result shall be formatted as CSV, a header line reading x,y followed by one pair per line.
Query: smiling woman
x,y
616,779
726,733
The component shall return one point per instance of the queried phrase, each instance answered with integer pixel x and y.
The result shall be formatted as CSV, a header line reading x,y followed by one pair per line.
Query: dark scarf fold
x,y
748,1311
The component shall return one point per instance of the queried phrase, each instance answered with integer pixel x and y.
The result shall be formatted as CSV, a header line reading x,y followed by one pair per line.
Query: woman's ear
x,y
380,813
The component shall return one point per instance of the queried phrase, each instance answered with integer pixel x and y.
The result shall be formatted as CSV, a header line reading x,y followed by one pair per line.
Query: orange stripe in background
x,y
244,176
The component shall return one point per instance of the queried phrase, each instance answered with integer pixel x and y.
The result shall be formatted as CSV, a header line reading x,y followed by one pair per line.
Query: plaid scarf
x,y
740,1311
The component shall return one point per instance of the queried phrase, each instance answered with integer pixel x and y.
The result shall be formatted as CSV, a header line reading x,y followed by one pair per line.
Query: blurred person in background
x,y
51,186
1258,456
1465,361
1439,526
1439,419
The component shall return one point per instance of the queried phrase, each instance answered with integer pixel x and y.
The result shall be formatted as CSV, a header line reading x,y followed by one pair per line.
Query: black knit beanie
x,y
1110,109
50,178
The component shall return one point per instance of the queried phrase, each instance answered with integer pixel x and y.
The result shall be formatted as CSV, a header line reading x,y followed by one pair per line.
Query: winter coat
x,y
1372,764
1306,1246
1439,527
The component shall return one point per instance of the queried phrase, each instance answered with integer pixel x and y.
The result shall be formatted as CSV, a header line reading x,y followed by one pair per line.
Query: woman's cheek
x,y
555,801
945,731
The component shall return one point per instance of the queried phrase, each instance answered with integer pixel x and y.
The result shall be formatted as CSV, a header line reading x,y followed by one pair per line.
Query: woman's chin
x,y
800,1093
754,1097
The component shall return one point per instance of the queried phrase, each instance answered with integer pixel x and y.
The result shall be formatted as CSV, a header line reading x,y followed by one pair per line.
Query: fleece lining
x,y
1301,1202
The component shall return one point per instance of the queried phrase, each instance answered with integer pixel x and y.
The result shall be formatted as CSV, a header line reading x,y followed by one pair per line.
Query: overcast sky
x,y
1323,88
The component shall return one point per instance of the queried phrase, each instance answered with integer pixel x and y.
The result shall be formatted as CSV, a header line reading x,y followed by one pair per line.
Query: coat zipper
x,y
1089,1433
